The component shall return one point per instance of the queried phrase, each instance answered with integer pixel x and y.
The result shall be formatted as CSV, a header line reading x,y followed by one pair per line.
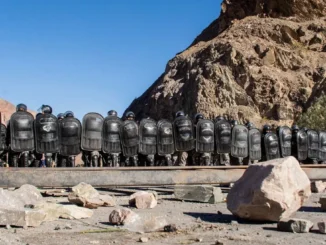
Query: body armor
x,y
147,137
111,138
271,146
70,136
223,136
205,136
322,146
285,138
3,137
255,152
301,144
165,142
129,135
183,134
21,132
91,139
313,144
46,128
239,147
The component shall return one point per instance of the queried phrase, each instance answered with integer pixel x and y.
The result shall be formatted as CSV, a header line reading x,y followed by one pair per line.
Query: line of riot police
x,y
114,142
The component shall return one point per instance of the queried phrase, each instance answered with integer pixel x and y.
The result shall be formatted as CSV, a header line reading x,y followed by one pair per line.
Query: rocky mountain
x,y
261,60
7,108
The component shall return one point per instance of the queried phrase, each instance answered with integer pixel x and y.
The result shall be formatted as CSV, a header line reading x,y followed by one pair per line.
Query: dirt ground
x,y
198,223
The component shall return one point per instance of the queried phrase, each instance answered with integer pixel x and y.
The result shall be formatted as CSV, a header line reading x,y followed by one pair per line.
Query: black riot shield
x,y
239,141
302,145
272,150
70,136
22,132
91,139
147,137
285,139
322,146
223,137
46,128
183,134
165,141
254,144
313,144
111,135
205,136
129,135
3,136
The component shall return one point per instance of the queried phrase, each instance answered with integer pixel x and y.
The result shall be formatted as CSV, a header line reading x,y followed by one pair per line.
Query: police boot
x,y
135,161
115,160
48,160
240,161
14,160
206,159
72,161
127,162
225,159
94,161
150,159
168,160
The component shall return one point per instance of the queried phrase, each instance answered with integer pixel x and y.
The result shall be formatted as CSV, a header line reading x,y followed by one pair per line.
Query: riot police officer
x,y
270,145
183,137
204,135
165,141
111,145
3,144
254,144
148,140
299,143
91,139
70,139
239,145
129,135
47,134
21,135
313,146
223,140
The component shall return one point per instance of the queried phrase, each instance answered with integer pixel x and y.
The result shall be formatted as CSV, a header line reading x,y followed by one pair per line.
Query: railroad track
x,y
133,176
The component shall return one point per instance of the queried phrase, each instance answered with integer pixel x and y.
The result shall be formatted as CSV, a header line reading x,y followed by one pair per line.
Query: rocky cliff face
x,y
259,61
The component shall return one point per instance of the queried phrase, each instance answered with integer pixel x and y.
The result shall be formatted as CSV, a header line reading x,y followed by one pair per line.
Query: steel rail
x,y
133,176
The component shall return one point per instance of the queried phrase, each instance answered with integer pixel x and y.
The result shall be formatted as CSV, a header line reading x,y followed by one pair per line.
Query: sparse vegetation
x,y
315,116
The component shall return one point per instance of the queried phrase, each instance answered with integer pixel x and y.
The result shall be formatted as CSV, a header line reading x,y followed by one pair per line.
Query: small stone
x,y
170,228
8,227
143,200
219,213
219,242
143,239
234,222
268,235
322,227
318,187
199,239
57,228
68,227
198,220
295,225
122,216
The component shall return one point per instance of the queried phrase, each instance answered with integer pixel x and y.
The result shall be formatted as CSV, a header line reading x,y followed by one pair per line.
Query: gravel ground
x,y
197,223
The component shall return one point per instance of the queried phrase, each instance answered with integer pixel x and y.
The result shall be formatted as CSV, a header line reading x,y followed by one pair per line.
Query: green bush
x,y
315,116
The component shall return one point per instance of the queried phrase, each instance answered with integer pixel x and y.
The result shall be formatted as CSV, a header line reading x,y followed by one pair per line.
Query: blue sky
x,y
92,55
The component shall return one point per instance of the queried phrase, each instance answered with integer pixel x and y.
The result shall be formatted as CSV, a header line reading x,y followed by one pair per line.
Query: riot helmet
x,y
130,116
234,123
69,114
60,116
198,117
21,107
267,128
219,118
180,114
112,113
250,125
295,128
46,109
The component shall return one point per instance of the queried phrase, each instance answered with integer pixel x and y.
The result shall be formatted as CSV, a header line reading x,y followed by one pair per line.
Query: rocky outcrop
x,y
7,109
270,191
259,61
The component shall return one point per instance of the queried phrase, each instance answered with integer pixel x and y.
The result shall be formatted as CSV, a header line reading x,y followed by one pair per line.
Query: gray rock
x,y
318,186
143,239
295,225
21,218
199,193
322,227
85,195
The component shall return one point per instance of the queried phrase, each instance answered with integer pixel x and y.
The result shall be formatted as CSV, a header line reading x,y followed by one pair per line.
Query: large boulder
x,y
143,200
270,191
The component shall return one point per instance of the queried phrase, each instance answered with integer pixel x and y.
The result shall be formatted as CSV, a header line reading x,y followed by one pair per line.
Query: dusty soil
x,y
197,223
